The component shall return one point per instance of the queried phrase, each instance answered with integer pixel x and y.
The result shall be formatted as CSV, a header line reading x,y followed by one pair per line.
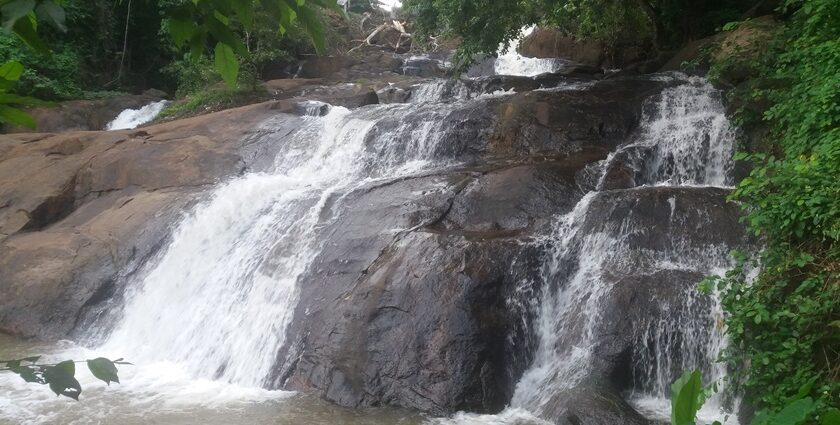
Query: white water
x,y
692,143
510,62
133,118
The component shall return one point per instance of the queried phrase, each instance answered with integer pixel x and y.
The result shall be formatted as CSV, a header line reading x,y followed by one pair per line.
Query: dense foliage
x,y
785,323
137,44
647,24
688,397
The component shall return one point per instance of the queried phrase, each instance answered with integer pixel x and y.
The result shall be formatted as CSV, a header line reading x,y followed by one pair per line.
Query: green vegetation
x,y
647,24
138,45
61,377
785,324
688,396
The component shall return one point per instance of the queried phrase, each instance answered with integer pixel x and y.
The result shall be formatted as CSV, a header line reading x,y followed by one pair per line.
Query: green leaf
x,y
197,44
223,34
22,100
11,71
685,398
227,64
14,11
245,12
25,29
52,13
794,413
62,381
16,116
313,27
831,417
28,374
181,30
104,370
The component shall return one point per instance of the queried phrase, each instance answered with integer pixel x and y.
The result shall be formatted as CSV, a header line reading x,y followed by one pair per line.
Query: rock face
x,y
551,43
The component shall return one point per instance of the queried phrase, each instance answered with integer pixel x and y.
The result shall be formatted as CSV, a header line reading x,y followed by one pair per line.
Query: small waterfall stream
x,y
133,118
689,143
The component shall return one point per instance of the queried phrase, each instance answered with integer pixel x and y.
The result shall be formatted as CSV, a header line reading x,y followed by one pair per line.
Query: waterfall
x,y
218,299
205,319
689,143
133,118
510,62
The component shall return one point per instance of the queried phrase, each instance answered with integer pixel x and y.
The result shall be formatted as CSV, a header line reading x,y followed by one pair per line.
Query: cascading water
x,y
133,118
229,277
510,62
690,143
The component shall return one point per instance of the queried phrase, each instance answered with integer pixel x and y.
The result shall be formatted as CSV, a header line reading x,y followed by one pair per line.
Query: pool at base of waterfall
x,y
162,393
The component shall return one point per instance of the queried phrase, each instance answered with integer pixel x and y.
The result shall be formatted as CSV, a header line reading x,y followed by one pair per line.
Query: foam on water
x,y
510,62
133,118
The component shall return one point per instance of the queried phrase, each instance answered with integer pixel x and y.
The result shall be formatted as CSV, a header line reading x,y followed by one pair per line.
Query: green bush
x,y
785,323
53,77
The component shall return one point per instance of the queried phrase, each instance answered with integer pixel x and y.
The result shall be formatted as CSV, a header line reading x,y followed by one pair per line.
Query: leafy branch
x,y
61,377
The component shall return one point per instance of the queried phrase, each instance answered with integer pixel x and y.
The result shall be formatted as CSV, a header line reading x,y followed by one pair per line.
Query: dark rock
x,y
550,43
393,94
483,67
592,405
324,66
424,67
400,312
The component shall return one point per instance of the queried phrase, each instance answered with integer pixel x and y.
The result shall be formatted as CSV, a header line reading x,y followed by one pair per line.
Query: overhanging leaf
x,y
227,64
685,396
245,11
831,417
794,413
22,100
313,27
62,381
25,29
14,11
15,116
11,71
181,30
52,13
104,370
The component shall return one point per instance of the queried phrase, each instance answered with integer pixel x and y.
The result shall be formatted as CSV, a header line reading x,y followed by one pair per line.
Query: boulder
x,y
549,43
407,305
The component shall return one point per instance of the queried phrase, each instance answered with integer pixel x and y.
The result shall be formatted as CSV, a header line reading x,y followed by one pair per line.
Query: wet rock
x,y
400,313
424,67
592,405
549,43
649,275
393,94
